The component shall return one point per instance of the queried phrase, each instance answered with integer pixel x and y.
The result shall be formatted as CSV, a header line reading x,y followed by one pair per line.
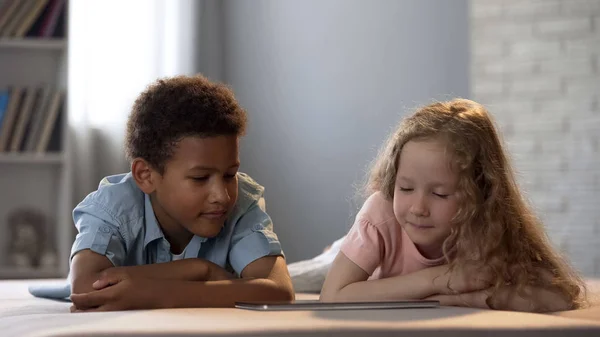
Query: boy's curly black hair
x,y
177,107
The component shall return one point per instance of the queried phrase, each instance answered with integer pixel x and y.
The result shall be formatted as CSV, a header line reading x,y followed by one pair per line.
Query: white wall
x,y
536,65
323,82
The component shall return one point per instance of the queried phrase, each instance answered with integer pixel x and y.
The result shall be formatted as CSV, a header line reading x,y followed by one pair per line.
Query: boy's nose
x,y
219,194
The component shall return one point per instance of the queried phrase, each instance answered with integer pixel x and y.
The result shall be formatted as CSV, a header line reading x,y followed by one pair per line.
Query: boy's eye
x,y
203,178
405,189
229,176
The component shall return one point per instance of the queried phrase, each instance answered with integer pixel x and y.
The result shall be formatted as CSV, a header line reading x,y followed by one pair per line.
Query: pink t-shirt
x,y
379,245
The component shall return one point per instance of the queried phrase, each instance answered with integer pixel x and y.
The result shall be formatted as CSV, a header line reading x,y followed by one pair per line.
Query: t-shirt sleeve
x,y
363,245
253,238
96,232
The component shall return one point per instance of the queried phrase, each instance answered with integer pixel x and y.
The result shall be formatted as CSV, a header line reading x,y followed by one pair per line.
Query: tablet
x,y
316,305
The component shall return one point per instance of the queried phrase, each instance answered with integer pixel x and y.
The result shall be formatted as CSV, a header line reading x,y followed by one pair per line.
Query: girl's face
x,y
425,194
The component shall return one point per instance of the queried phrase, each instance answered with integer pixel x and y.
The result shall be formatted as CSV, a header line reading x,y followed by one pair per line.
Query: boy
x,y
184,228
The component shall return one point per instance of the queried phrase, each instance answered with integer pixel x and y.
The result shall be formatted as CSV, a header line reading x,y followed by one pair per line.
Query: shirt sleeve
x,y
98,232
252,238
363,245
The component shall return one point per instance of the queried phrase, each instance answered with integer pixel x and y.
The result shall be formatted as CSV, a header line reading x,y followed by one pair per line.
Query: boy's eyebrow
x,y
209,168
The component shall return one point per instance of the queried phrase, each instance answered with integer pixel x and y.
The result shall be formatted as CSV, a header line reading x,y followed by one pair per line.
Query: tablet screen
x,y
316,305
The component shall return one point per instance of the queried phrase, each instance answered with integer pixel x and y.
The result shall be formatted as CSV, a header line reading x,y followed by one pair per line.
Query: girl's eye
x,y
404,189
439,195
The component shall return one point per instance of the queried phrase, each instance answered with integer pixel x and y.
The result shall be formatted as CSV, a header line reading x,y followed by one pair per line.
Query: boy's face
x,y
198,187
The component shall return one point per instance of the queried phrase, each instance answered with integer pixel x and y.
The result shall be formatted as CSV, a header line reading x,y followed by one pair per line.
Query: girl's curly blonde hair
x,y
494,226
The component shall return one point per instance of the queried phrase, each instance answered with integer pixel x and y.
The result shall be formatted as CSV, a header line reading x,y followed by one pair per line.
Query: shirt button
x,y
105,229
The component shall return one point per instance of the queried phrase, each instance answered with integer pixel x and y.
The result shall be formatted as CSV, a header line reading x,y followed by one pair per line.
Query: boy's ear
x,y
142,172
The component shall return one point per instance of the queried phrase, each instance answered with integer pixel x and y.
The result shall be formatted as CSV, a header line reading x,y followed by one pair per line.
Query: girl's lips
x,y
420,226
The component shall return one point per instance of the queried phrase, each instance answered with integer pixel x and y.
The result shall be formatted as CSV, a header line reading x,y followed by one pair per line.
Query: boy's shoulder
x,y
249,187
249,192
378,211
118,198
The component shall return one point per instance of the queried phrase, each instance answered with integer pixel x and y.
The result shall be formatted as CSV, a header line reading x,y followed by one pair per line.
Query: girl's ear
x,y
144,175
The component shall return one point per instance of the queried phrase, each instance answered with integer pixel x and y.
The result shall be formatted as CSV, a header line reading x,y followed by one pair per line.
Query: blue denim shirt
x,y
118,221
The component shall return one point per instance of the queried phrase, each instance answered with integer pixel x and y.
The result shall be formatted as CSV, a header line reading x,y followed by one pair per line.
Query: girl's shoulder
x,y
377,211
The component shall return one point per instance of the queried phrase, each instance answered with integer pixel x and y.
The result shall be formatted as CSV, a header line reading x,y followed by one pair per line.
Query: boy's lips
x,y
214,214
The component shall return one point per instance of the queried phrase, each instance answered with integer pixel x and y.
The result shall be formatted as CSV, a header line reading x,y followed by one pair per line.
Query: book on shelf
x,y
32,19
29,119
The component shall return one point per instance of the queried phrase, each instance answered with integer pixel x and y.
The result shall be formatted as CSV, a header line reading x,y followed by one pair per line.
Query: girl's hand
x,y
466,280
475,299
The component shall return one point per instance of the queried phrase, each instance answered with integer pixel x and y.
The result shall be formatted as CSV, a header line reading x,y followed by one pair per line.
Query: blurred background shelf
x,y
32,158
32,43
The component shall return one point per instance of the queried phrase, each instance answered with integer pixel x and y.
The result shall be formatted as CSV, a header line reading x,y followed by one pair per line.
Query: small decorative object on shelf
x,y
27,246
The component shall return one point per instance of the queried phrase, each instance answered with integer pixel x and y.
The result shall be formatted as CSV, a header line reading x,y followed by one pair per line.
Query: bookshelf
x,y
33,159
33,43
36,229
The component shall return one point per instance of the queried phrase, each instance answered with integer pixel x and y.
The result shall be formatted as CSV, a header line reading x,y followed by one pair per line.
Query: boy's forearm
x,y
185,270
415,285
186,294
86,268
83,284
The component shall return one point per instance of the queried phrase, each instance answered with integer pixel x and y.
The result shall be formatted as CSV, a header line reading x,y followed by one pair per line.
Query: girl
x,y
445,220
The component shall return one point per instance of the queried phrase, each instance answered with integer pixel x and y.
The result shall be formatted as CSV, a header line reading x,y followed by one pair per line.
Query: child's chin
x,y
423,239
207,229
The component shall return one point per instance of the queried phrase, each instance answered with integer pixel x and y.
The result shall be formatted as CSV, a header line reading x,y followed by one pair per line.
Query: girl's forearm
x,y
508,298
531,299
415,285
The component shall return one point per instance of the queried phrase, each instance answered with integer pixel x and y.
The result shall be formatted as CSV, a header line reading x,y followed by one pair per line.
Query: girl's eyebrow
x,y
433,184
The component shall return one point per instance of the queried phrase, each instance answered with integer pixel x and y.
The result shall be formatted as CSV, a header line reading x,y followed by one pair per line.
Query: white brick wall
x,y
536,65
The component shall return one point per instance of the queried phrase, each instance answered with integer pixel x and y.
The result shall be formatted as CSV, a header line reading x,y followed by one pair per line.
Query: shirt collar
x,y
153,231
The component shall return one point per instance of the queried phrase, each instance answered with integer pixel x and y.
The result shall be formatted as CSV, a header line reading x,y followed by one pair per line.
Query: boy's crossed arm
x,y
97,286
92,271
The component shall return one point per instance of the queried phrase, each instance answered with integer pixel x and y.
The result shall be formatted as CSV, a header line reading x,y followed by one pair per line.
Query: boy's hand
x,y
111,276
467,280
216,273
127,294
